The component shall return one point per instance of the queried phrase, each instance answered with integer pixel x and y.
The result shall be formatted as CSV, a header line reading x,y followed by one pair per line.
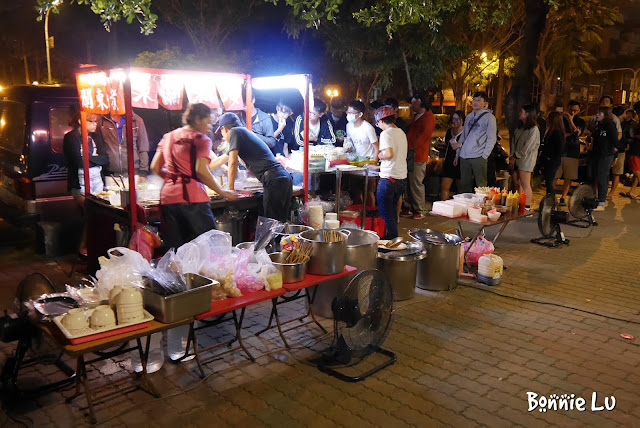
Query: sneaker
x,y
562,202
418,216
406,213
599,208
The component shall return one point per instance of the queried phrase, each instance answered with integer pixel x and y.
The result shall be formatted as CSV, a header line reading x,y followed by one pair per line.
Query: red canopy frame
x,y
103,91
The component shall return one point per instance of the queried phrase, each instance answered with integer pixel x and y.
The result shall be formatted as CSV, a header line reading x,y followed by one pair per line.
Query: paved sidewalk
x,y
466,357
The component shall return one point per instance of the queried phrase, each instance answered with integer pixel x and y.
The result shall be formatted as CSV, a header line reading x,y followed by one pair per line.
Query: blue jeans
x,y
601,167
388,195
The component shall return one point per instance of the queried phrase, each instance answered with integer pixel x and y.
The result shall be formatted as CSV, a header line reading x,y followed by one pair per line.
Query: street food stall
x,y
112,215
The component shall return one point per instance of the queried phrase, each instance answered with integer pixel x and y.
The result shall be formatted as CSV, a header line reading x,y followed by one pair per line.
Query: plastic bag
x,y
480,247
168,275
144,239
266,228
245,274
122,267
216,262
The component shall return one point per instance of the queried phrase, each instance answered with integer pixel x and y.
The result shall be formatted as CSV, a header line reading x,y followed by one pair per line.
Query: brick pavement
x,y
465,357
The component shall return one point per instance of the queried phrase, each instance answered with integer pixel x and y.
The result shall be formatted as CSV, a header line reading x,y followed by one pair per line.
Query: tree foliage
x,y
110,11
574,29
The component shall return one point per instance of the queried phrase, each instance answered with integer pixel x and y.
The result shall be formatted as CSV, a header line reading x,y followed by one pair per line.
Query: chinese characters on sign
x,y
102,92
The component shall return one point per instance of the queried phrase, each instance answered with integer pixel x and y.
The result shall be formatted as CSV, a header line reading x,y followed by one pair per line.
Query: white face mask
x,y
351,117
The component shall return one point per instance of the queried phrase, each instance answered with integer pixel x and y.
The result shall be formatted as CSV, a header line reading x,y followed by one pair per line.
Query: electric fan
x,y
362,317
583,201
549,220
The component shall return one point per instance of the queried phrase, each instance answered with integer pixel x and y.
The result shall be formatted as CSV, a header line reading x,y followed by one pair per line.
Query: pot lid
x,y
410,254
434,237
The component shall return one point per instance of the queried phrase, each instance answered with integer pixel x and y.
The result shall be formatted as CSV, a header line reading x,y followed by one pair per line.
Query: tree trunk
x,y
408,73
500,91
566,89
545,94
26,71
535,18
368,97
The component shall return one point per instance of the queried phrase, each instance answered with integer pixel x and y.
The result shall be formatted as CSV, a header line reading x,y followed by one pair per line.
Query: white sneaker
x,y
599,208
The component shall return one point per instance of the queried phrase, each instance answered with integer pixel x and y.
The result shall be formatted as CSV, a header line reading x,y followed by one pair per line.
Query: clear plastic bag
x,y
245,274
122,267
144,239
266,228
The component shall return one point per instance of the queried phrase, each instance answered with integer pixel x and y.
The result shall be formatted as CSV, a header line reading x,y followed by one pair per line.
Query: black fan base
x,y
553,241
327,366
583,223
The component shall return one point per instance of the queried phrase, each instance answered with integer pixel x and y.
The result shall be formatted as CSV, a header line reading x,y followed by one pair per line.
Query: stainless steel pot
x,y
401,271
362,249
291,272
327,258
289,229
439,271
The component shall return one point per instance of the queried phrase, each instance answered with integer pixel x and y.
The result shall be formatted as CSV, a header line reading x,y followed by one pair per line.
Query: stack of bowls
x,y
103,317
129,305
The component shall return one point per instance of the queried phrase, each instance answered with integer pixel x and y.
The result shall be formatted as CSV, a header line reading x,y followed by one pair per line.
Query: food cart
x,y
119,90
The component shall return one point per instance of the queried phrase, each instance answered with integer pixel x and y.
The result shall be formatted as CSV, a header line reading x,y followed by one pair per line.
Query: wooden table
x,y
301,291
99,346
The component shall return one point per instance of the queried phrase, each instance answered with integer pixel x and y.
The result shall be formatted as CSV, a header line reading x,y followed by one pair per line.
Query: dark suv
x,y
33,175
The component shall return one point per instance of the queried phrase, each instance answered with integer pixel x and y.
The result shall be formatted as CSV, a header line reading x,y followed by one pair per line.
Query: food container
x,y
289,229
178,306
327,258
362,250
84,335
439,271
291,272
400,269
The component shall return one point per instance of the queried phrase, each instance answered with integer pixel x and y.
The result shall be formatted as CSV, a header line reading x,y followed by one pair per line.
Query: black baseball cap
x,y
228,119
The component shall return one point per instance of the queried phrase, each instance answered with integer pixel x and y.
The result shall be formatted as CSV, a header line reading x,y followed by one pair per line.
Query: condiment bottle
x,y
503,197
523,202
516,199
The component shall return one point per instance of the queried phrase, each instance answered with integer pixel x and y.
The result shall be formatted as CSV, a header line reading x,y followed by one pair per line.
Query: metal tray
x,y
175,307
53,305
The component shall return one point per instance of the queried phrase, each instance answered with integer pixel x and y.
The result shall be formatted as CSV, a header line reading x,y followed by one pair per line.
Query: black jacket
x,y
72,148
605,139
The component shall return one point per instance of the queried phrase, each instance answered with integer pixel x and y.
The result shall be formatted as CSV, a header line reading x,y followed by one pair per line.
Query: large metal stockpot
x,y
439,271
362,249
327,258
400,268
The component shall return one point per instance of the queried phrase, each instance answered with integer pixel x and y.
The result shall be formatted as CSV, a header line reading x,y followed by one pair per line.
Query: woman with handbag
x,y
525,149
450,168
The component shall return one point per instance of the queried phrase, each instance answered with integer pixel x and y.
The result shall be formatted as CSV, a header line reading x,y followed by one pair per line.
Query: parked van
x,y
33,175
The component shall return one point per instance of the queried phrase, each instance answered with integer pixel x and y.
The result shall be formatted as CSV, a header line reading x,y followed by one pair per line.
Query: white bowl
x,y
493,216
75,319
103,316
129,295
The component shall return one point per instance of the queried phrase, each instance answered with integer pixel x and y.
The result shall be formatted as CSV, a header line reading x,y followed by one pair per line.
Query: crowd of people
x,y
184,158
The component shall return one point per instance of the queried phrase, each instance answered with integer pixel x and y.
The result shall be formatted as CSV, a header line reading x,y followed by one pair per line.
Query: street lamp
x,y
633,81
53,5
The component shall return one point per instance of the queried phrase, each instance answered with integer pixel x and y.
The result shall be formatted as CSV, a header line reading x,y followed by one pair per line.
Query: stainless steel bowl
x,y
291,272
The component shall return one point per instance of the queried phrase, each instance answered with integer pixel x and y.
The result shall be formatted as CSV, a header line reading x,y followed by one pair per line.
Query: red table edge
x,y
310,279
229,304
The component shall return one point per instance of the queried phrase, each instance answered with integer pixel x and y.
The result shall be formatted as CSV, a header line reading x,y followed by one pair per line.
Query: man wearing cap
x,y
276,181
393,168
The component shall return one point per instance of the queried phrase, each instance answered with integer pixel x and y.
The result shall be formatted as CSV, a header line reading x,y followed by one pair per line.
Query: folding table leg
x,y
269,324
194,337
81,377
238,325
495,238
274,301
310,299
145,383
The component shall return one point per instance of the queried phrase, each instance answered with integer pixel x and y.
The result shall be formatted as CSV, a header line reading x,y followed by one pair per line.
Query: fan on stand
x,y
362,317
583,201
549,220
